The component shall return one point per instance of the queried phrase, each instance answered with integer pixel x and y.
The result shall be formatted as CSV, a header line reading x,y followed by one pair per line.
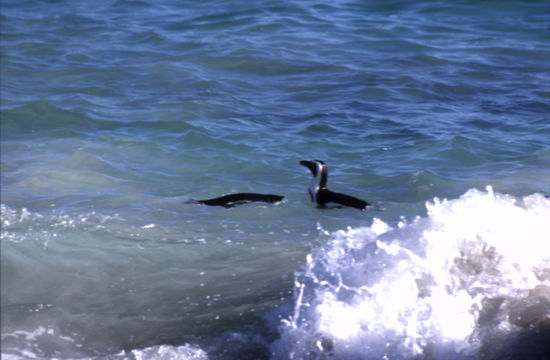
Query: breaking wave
x,y
470,280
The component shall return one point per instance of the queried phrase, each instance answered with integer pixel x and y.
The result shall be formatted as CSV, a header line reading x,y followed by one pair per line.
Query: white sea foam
x,y
160,352
463,282
166,352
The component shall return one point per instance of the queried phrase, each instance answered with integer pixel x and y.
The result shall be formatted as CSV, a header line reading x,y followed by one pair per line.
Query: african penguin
x,y
240,198
318,188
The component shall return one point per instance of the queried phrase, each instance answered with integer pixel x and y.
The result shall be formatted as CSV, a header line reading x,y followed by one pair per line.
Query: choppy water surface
x,y
114,115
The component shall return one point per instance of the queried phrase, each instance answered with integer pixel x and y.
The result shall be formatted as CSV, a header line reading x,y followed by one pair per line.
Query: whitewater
x,y
469,278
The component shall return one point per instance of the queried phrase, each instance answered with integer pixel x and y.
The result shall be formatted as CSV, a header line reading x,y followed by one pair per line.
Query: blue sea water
x,y
115,114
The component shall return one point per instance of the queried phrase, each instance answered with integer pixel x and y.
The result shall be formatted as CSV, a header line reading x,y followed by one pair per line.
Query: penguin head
x,y
318,170
313,165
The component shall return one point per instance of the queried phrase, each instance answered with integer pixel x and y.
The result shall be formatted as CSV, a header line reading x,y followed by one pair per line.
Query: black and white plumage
x,y
318,188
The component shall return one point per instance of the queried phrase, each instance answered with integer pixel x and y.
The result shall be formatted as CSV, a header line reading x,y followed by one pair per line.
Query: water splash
x,y
459,283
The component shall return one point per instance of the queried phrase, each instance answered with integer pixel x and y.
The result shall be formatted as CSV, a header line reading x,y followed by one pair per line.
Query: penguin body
x,y
318,188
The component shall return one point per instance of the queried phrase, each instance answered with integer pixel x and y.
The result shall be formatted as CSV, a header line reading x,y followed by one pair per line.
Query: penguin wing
x,y
326,195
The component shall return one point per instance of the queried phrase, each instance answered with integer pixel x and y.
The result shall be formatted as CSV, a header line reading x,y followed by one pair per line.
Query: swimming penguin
x,y
318,188
240,198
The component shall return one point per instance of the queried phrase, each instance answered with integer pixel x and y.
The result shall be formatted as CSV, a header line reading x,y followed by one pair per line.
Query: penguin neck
x,y
318,182
313,189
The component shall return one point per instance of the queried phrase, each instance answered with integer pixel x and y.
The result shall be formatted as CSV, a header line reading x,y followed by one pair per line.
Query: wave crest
x,y
459,283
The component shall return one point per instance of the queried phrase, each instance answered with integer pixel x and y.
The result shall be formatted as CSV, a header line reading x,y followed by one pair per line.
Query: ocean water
x,y
115,114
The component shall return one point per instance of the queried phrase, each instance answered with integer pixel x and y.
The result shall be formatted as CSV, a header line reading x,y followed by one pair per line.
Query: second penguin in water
x,y
318,188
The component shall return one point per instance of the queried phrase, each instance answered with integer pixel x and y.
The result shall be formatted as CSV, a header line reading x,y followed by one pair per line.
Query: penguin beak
x,y
310,165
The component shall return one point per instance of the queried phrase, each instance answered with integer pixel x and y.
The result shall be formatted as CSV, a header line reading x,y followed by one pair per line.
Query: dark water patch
x,y
148,37
132,4
267,66
41,119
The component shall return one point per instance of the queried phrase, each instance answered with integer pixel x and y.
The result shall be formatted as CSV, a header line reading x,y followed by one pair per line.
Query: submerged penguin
x,y
240,198
318,188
